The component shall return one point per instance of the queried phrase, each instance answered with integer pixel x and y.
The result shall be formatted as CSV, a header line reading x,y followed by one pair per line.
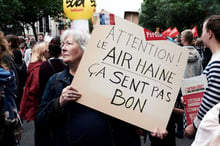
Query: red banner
x,y
149,35
193,90
193,102
194,30
174,32
166,32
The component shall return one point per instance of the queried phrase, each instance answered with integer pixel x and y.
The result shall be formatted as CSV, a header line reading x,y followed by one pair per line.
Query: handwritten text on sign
x,y
123,75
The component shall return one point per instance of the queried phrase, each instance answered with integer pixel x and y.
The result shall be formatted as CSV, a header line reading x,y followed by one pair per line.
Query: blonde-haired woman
x,y
40,52
30,99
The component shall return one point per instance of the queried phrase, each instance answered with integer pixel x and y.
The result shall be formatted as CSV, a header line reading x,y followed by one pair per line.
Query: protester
x,y
13,42
9,59
17,47
71,123
204,52
207,56
22,45
53,65
10,124
177,40
54,112
31,95
27,40
193,68
211,39
12,45
194,62
40,37
21,69
28,52
200,47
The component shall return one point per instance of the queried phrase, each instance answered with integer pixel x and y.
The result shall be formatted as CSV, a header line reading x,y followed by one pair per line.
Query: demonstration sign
x,y
193,90
129,73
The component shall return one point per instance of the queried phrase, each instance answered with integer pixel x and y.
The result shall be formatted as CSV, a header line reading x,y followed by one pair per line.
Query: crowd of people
x,y
35,85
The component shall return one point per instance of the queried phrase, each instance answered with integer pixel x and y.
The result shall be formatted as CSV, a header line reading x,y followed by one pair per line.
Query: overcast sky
x,y
118,7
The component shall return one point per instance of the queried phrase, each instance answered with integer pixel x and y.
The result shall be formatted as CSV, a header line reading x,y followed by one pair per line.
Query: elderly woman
x,y
69,123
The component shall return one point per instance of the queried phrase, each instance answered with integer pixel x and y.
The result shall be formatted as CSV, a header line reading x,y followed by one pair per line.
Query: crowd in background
x,y
35,78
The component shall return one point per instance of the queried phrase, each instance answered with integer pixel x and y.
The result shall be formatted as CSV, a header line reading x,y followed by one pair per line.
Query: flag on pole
x,y
195,32
166,32
174,32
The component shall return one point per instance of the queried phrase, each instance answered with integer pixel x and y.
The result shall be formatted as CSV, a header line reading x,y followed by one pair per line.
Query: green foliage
x,y
8,9
184,14
34,10
21,12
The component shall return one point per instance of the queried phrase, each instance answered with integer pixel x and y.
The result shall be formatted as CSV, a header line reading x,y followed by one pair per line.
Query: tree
x,y
33,11
184,14
8,10
24,12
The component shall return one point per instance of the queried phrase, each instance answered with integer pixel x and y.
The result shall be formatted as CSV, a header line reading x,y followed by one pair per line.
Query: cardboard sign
x,y
125,75
193,90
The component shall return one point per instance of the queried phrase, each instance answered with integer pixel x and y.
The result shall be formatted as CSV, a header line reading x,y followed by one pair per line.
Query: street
x,y
28,137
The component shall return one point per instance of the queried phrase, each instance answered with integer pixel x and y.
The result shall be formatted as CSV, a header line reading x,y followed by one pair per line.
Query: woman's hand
x,y
159,133
190,131
68,94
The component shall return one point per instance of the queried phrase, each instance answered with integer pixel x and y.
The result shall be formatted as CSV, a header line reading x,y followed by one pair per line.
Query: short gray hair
x,y
80,37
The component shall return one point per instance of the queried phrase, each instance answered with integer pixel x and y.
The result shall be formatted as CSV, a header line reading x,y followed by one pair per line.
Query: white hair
x,y
80,37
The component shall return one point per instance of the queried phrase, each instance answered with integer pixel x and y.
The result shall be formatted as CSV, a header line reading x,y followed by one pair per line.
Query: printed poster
x,y
193,90
130,73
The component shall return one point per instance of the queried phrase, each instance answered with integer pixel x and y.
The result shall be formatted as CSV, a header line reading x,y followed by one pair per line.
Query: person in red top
x,y
30,99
